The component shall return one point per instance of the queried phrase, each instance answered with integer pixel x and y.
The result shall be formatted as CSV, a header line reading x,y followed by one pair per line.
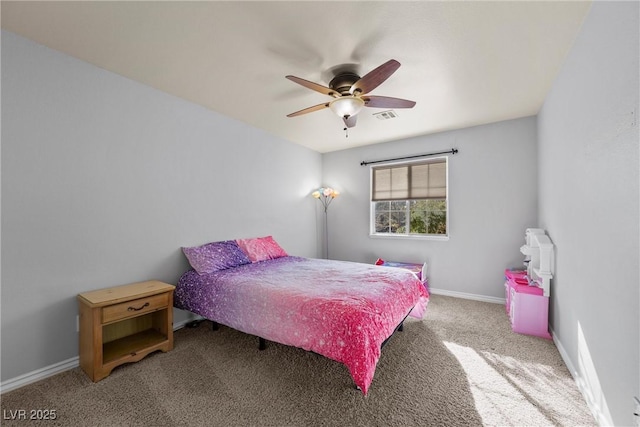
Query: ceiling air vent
x,y
386,115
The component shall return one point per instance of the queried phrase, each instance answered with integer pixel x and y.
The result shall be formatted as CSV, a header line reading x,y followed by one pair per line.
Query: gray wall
x,y
492,200
104,179
588,171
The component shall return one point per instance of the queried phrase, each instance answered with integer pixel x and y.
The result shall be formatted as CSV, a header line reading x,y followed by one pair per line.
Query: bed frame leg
x,y
262,344
214,326
193,323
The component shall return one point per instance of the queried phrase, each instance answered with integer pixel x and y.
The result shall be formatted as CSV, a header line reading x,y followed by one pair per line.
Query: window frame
x,y
372,211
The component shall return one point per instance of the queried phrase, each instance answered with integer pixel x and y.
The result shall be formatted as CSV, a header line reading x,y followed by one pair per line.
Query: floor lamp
x,y
326,196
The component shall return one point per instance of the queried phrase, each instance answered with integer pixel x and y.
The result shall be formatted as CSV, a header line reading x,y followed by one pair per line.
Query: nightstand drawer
x,y
134,307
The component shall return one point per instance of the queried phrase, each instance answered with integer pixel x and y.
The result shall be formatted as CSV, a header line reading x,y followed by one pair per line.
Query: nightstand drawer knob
x,y
146,304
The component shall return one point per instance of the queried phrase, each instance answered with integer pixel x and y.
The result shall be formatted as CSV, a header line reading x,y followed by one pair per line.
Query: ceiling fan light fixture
x,y
346,106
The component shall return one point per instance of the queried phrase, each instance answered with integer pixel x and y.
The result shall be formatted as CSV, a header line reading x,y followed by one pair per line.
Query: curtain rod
x,y
452,151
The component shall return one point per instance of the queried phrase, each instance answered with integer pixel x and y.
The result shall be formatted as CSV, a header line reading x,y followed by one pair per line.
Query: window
x,y
410,199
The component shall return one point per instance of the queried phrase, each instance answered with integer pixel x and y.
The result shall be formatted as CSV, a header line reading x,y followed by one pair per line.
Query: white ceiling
x,y
464,63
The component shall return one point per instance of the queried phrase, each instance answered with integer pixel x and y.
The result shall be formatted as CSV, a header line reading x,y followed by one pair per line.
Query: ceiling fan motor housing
x,y
342,82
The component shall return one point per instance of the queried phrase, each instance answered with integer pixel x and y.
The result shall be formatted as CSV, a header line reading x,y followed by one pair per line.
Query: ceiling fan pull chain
x,y
346,132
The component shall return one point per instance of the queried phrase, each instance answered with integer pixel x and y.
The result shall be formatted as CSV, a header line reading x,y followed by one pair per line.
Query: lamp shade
x,y
346,106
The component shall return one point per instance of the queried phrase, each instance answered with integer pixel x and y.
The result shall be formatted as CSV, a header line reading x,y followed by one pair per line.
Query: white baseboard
x,y
601,417
39,374
465,295
51,370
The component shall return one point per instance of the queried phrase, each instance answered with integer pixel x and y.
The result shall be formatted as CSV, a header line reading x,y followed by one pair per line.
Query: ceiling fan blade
x,y
309,110
386,102
374,78
314,86
350,121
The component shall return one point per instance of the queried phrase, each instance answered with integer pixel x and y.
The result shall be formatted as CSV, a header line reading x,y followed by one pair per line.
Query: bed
x,y
342,310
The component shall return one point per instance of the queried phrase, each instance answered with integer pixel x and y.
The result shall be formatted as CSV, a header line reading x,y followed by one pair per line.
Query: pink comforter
x,y
341,310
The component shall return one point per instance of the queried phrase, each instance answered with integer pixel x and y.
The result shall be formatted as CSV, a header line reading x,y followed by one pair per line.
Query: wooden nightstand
x,y
124,324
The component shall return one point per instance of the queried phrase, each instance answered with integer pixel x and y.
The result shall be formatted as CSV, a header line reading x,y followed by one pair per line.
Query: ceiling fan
x,y
351,93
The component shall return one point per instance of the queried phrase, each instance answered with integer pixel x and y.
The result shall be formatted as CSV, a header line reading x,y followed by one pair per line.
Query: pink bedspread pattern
x,y
341,310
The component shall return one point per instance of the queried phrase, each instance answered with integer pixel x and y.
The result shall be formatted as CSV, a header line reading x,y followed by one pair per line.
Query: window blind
x,y
410,181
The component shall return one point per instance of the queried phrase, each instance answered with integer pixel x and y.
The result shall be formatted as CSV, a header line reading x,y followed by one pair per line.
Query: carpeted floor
x,y
460,366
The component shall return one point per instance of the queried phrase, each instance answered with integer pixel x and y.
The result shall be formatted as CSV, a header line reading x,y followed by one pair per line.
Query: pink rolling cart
x,y
527,307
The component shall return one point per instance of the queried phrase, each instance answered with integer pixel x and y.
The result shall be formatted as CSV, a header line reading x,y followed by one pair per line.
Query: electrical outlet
x,y
77,323
636,411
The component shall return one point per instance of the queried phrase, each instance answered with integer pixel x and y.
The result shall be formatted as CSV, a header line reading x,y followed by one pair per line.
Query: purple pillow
x,y
215,256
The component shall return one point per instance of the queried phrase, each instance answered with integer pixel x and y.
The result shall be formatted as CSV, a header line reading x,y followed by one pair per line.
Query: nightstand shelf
x,y
124,324
122,348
